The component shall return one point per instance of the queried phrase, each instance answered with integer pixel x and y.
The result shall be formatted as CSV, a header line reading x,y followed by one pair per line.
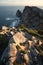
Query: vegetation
x,y
4,39
39,48
0,30
32,31
17,47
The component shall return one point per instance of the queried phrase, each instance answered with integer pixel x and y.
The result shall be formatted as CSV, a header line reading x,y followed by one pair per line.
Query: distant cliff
x,y
32,17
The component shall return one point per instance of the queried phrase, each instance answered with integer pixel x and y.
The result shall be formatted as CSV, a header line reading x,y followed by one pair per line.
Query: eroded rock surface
x,y
32,17
22,50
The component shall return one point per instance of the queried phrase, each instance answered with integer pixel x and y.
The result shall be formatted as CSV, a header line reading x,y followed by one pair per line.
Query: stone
x,y
4,28
19,37
18,13
26,57
32,17
10,54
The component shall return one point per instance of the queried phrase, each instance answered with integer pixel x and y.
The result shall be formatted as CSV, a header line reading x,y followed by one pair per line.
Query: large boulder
x,y
19,37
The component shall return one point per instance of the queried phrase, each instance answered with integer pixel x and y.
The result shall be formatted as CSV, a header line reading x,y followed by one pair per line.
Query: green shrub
x,y
31,31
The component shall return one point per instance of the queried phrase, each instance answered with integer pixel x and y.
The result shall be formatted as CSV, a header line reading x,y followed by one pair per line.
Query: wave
x,y
15,23
9,19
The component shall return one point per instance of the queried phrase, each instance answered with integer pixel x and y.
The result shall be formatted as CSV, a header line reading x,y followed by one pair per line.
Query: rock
x,y
41,13
19,37
12,33
27,59
4,28
40,26
26,16
19,57
22,49
34,39
32,17
30,43
4,39
40,43
9,54
18,13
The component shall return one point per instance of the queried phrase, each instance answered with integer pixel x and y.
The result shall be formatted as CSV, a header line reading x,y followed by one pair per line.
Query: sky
x,y
22,2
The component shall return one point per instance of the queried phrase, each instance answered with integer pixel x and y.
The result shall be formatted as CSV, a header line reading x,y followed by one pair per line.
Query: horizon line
x,y
21,5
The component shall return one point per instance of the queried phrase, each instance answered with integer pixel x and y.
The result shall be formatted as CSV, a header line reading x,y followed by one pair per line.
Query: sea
x,y
8,15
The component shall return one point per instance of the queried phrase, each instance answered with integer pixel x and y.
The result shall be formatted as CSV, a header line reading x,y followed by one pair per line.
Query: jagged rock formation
x,y
21,50
9,54
32,17
19,14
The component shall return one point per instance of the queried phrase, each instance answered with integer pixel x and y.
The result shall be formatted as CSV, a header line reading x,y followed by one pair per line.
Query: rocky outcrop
x,y
9,54
32,17
22,50
4,28
19,14
4,39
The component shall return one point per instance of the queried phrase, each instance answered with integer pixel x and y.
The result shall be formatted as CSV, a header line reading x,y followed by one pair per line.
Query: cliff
x,y
21,47
32,17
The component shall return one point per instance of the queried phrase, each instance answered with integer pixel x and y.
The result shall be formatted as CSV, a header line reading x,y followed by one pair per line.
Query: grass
x,y
0,30
31,31
17,47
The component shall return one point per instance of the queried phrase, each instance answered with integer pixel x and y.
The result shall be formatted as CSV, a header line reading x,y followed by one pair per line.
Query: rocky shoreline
x,y
23,45
22,48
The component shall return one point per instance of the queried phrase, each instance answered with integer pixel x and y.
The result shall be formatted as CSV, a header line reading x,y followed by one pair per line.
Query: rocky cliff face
x,y
19,14
23,48
32,17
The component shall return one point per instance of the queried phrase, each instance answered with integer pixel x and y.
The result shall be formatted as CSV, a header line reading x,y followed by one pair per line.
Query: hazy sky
x,y
22,2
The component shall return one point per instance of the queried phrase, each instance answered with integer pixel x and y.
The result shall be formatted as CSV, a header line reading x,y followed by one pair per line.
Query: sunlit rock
x,y
10,54
12,33
4,28
30,43
19,37
26,57
34,39
40,43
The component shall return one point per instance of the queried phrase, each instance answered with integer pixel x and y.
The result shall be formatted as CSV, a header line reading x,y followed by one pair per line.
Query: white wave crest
x,y
9,19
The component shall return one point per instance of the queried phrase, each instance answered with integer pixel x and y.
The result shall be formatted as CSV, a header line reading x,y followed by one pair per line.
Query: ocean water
x,y
8,15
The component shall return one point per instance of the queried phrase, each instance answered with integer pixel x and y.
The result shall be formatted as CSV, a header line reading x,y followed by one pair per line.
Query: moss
x,y
24,51
17,47
0,30
31,31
